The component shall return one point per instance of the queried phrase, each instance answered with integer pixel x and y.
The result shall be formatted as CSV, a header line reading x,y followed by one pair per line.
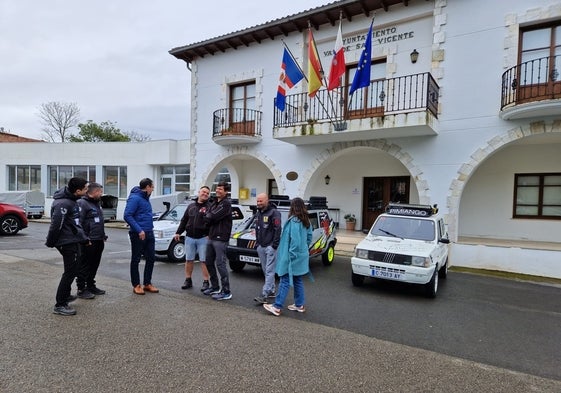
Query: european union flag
x,y
362,74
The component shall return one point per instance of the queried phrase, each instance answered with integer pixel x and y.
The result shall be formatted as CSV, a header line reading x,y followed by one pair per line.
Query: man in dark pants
x,y
66,234
91,219
219,219
138,214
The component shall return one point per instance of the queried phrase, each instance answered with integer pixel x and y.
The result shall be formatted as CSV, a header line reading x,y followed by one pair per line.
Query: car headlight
x,y
233,242
420,261
361,253
158,234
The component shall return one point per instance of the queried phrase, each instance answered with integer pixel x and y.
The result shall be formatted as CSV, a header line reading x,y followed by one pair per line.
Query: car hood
x,y
397,246
165,225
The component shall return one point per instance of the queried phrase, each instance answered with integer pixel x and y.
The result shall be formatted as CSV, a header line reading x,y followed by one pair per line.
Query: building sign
x,y
379,37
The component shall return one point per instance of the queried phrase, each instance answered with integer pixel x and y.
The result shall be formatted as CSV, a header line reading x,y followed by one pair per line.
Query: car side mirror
x,y
444,240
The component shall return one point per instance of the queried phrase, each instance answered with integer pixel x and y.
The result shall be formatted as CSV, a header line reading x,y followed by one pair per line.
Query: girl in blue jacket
x,y
293,259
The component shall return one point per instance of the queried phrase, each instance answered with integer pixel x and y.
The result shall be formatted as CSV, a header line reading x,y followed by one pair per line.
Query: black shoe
x,y
187,284
64,310
96,291
71,298
205,286
85,294
272,294
211,291
261,299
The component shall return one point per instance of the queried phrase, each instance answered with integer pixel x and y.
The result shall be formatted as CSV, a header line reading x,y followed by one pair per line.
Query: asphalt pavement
x,y
170,342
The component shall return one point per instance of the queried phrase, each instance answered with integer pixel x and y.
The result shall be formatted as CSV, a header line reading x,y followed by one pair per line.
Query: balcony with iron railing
x,y
532,89
234,126
389,108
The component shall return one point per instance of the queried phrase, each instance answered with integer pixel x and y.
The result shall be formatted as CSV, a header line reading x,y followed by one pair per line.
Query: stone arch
x,y
392,149
233,151
480,155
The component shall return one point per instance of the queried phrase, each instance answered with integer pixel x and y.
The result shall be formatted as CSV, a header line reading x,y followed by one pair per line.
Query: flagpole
x,y
369,30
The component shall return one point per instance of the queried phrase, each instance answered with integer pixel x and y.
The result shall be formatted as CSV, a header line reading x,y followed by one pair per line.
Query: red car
x,y
12,219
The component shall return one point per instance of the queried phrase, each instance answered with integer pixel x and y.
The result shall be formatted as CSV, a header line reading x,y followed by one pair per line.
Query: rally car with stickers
x,y
242,248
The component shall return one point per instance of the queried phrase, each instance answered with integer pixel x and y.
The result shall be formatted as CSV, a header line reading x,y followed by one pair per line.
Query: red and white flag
x,y
338,63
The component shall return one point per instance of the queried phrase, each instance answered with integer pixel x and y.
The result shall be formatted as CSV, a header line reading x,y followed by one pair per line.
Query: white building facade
x,y
472,124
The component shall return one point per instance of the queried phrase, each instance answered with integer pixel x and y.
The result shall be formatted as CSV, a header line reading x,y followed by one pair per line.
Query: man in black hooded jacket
x,y
66,234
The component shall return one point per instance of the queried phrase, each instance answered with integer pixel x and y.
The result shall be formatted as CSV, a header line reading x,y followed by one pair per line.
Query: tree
x,y
104,132
57,119
136,137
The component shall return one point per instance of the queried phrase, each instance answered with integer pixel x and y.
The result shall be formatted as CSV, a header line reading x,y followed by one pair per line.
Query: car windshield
x,y
404,227
174,214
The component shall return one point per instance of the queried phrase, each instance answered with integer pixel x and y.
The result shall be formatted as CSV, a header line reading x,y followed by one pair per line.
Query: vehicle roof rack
x,y
402,209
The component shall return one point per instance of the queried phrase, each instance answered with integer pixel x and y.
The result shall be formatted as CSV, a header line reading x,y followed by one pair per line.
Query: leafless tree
x,y
57,119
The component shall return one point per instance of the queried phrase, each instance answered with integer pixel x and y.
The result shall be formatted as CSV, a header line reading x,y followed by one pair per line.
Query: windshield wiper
x,y
389,233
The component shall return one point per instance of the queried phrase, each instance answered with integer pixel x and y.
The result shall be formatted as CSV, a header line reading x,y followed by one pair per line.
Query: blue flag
x,y
362,74
290,75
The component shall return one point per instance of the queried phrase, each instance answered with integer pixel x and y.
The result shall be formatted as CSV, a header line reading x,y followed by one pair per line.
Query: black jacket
x,y
268,227
193,220
219,219
91,218
65,220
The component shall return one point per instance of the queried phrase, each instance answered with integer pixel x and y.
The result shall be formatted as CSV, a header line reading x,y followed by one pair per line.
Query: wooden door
x,y
378,192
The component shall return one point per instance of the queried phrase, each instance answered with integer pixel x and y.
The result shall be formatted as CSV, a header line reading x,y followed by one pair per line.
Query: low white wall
x,y
546,263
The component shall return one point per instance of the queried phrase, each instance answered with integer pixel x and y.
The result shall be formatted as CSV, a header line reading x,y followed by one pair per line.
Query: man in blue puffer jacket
x,y
138,214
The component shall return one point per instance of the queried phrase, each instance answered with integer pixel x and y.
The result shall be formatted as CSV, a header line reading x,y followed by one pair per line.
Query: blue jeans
x,y
138,248
284,287
268,259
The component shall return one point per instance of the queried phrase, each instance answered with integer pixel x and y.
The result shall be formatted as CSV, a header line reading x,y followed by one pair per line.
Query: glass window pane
x,y
527,195
122,182
110,180
181,187
237,92
35,177
81,171
552,180
182,179
536,39
526,211
552,211
166,170
180,169
12,178
250,90
552,196
528,181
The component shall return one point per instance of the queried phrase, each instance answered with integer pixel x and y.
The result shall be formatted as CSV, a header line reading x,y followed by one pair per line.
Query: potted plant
x,y
350,221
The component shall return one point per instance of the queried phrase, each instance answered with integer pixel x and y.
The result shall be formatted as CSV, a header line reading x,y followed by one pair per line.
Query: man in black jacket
x,y
66,234
91,219
196,237
267,235
219,219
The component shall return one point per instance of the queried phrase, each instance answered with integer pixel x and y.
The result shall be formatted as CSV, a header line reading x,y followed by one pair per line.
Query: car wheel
x,y
443,272
358,280
9,225
176,252
328,256
237,266
432,286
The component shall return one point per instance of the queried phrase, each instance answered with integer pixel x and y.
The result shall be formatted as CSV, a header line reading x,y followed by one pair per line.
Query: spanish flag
x,y
315,70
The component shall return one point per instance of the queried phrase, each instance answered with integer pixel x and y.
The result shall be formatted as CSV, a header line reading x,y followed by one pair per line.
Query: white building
x,y
473,124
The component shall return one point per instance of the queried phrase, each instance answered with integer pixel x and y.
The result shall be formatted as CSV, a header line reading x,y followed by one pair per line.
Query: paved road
x,y
504,323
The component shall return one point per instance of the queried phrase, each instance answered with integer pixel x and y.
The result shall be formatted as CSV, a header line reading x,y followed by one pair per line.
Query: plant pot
x,y
350,225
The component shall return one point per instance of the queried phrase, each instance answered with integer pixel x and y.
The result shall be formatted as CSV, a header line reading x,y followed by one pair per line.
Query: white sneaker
x,y
294,307
272,309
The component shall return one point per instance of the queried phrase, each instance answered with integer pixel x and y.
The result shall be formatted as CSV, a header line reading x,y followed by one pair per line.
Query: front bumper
x,y
233,253
391,271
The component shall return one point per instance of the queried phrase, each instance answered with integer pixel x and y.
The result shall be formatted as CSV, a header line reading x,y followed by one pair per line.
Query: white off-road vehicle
x,y
407,243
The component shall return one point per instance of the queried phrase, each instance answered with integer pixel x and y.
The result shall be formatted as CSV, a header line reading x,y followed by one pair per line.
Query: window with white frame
x,y
176,178
59,175
115,181
24,177
537,195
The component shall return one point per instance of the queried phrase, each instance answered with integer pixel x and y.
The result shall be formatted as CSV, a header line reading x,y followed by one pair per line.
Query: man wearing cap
x,y
91,219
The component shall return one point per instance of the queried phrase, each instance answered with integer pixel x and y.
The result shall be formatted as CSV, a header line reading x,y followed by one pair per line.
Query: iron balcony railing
x,y
410,93
236,121
533,80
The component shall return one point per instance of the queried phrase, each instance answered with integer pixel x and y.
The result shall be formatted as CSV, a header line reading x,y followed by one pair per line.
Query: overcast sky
x,y
111,57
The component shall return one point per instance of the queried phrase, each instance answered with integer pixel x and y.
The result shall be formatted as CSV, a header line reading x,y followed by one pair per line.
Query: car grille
x,y
247,243
388,257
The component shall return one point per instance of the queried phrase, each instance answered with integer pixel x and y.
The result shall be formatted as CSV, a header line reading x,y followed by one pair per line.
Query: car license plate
x,y
385,274
245,258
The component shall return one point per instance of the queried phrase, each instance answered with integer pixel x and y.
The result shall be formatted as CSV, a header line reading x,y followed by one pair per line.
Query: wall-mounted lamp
x,y
327,179
414,56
